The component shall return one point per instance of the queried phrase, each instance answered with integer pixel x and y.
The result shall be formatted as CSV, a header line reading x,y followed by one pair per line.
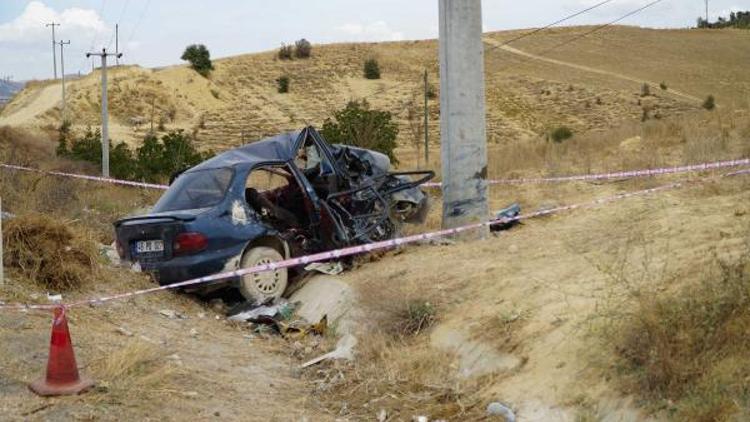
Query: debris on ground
x,y
507,218
330,268
499,409
344,350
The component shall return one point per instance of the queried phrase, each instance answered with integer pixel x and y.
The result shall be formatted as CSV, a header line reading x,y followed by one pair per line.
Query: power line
x,y
138,23
118,21
557,22
512,40
599,28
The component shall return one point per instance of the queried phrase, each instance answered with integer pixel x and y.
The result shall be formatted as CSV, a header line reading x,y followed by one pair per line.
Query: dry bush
x,y
404,379
51,252
686,352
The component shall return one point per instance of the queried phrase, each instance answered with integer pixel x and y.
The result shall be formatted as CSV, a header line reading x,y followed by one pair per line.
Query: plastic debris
x,y
344,350
330,268
499,409
506,218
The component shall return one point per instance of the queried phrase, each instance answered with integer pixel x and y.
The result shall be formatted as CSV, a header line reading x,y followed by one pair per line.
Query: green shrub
x,y
372,69
154,161
302,49
283,84
358,125
709,103
663,86
285,52
560,134
215,93
199,58
62,139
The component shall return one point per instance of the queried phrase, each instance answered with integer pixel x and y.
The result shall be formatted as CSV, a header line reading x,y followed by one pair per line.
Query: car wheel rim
x,y
266,282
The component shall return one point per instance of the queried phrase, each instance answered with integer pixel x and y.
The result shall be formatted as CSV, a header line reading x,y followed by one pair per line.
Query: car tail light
x,y
187,243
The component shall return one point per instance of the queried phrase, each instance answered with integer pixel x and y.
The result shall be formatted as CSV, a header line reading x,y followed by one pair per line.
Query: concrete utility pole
x,y
117,44
62,73
105,112
706,12
426,122
54,47
463,133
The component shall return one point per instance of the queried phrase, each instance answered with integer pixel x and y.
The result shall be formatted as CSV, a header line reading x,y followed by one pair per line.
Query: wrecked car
x,y
281,197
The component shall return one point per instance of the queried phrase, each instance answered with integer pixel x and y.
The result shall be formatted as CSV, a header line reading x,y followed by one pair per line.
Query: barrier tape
x,y
617,175
533,180
356,250
86,177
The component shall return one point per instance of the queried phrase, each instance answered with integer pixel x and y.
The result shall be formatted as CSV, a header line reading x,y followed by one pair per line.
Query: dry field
x,y
545,318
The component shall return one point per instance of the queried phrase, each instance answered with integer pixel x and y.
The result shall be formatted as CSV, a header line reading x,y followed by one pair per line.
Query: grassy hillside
x,y
525,96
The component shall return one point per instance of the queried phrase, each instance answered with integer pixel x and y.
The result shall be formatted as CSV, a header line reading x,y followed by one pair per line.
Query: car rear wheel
x,y
259,287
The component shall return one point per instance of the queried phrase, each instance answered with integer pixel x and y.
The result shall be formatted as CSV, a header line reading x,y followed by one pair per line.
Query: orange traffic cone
x,y
62,373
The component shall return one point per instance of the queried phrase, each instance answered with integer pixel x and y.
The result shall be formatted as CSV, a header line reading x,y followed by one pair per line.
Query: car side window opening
x,y
274,194
195,190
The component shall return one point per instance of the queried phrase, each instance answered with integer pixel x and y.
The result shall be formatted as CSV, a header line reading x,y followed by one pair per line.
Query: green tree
x,y
89,147
62,139
199,58
121,162
358,125
302,49
150,156
710,103
372,69
178,153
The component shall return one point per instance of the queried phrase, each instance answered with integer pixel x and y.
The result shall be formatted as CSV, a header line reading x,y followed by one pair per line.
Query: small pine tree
x,y
710,103
199,58
283,84
302,49
372,69
285,52
62,139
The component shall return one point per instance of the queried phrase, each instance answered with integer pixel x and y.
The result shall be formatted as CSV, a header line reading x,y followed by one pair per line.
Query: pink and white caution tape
x,y
354,250
617,175
86,177
583,177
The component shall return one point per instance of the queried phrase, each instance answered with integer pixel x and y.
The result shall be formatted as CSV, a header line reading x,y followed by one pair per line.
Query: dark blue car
x,y
285,196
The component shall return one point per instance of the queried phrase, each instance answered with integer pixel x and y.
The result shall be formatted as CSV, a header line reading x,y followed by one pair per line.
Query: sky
x,y
155,32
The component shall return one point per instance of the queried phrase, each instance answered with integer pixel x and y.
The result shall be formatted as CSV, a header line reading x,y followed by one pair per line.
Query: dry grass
x,y
49,252
685,351
135,372
406,379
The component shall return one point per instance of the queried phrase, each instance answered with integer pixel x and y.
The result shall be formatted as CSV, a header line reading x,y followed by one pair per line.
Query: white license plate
x,y
149,246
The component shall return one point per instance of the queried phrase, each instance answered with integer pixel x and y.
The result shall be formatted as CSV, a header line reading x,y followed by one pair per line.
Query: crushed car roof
x,y
276,148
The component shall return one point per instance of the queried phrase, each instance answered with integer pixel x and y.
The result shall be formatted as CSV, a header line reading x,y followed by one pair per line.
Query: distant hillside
x,y
9,88
592,84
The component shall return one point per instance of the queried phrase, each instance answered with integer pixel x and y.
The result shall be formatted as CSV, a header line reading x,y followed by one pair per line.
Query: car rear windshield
x,y
196,189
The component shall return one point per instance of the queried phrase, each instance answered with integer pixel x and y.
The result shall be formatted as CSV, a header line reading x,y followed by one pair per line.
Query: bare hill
x,y
592,84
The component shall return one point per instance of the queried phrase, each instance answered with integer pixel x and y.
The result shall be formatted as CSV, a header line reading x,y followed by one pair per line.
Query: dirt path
x,y
25,109
589,69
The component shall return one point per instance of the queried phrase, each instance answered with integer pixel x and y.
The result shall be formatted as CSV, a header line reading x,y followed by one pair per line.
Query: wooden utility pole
x,y
54,47
62,74
105,111
426,123
463,134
